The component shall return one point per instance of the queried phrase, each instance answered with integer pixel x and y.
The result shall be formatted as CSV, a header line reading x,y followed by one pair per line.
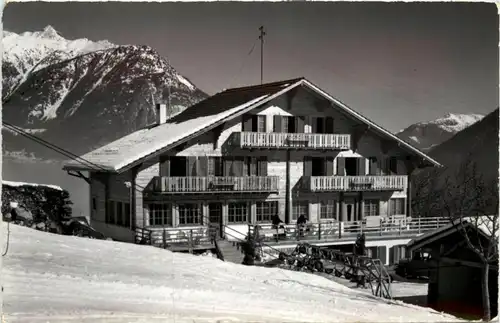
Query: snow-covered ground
x,y
53,278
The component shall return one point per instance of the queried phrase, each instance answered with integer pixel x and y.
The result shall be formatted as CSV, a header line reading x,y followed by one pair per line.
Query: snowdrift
x,y
53,278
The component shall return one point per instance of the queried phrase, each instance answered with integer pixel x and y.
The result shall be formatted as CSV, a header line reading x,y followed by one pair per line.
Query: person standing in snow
x,y
301,225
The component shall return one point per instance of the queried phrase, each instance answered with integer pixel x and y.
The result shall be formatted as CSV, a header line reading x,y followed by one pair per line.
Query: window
x,y
119,213
393,165
259,123
397,206
94,204
214,166
237,212
126,215
266,210
328,210
160,214
372,207
189,214
284,124
300,208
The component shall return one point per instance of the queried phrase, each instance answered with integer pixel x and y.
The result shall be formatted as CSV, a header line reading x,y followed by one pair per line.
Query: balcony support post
x,y
360,206
133,197
288,205
341,207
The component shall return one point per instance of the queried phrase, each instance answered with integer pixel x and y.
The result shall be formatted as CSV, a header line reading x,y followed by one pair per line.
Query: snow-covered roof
x,y
204,116
16,184
484,223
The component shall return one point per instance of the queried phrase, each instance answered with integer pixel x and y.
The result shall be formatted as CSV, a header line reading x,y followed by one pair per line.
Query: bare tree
x,y
426,196
471,204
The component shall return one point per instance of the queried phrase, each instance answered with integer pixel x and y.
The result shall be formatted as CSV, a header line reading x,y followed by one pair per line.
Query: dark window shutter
x,y
291,124
373,170
262,166
329,125
228,163
307,166
238,166
191,166
320,127
361,166
340,166
164,166
247,122
277,124
255,123
393,165
300,124
252,166
329,166
218,166
246,166
202,169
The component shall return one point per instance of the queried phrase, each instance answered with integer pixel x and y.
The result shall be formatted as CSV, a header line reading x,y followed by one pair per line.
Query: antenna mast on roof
x,y
261,37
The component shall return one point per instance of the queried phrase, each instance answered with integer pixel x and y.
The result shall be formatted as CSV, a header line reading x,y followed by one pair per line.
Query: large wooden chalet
x,y
244,155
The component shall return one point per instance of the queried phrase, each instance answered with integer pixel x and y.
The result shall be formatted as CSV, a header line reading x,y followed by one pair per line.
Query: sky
x,y
396,63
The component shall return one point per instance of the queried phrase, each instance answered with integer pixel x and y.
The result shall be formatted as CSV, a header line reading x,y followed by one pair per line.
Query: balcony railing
x,y
278,140
175,238
356,183
208,184
335,230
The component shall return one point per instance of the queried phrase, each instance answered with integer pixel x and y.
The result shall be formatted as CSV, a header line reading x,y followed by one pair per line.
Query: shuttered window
x,y
160,214
372,207
266,210
397,206
237,213
300,208
328,210
190,214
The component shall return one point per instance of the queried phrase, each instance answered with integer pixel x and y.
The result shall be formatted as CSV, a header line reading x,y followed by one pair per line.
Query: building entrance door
x,y
350,208
215,218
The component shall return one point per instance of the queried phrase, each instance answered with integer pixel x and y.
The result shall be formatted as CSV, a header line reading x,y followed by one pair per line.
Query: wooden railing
x,y
356,183
216,184
168,238
278,140
335,230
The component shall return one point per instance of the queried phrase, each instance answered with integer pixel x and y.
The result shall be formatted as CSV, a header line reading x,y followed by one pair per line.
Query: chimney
x,y
161,113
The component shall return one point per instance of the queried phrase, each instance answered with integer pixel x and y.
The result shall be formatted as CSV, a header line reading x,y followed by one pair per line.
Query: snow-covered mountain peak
x,y
428,134
455,122
50,33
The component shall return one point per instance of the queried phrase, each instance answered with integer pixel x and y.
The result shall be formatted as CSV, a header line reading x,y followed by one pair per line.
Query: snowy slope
x,y
56,278
426,135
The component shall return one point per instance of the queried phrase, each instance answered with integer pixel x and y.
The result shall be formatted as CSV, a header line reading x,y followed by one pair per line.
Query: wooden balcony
x,y
356,183
213,184
337,231
277,140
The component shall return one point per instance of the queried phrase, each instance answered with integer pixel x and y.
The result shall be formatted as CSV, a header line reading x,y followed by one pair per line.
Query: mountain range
x,y
91,93
95,91
427,135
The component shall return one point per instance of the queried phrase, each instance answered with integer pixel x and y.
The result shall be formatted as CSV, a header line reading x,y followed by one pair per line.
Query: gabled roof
x,y
483,224
143,144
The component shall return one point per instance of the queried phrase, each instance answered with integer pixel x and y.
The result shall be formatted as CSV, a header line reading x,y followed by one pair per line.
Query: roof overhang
x,y
426,160
208,128
431,162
